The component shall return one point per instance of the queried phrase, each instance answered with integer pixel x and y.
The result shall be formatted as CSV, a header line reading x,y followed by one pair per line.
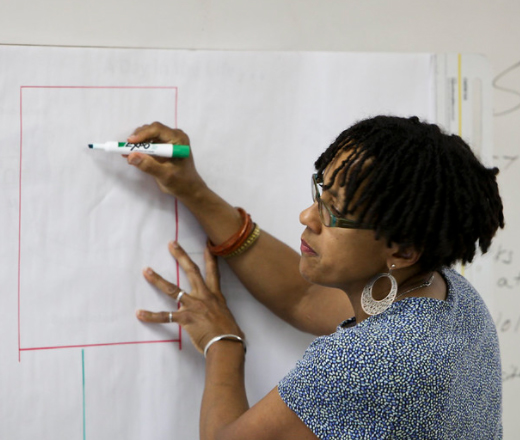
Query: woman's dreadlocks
x,y
418,187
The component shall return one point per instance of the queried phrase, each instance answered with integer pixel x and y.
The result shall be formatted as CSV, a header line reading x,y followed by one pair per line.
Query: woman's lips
x,y
306,249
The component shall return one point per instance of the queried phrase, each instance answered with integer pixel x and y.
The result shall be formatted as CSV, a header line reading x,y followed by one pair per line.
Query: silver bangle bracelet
x,y
228,337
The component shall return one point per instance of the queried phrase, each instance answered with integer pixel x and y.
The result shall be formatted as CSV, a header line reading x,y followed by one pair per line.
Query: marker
x,y
162,150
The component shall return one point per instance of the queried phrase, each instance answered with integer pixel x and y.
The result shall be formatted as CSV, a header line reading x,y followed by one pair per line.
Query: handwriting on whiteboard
x,y
510,91
510,373
505,256
507,324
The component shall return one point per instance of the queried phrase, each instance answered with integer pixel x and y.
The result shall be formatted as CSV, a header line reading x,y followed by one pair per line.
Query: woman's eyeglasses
x,y
327,217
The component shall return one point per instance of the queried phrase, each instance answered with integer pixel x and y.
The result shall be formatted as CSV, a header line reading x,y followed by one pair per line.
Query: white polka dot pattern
x,y
423,369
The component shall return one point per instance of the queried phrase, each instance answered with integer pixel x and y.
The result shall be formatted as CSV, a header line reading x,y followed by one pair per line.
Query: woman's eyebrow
x,y
332,192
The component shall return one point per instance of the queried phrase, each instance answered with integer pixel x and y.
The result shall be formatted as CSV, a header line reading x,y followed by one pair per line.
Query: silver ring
x,y
171,316
179,296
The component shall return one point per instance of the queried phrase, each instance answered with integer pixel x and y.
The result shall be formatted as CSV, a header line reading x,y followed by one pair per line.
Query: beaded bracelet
x,y
225,337
247,244
239,241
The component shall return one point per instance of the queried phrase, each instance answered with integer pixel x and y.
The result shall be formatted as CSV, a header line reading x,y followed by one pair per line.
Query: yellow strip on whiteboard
x,y
459,82
463,104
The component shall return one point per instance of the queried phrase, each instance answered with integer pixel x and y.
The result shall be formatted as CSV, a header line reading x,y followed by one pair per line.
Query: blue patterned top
x,y
423,369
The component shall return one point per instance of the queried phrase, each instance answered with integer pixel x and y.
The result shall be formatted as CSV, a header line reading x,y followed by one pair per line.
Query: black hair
x,y
417,186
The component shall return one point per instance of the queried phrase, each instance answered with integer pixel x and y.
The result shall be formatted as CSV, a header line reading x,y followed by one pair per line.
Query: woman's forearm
x,y
269,269
224,399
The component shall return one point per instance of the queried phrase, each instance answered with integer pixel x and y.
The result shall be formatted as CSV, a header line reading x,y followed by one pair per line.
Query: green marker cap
x,y
181,151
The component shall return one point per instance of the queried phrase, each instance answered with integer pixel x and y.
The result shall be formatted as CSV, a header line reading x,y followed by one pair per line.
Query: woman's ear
x,y
404,255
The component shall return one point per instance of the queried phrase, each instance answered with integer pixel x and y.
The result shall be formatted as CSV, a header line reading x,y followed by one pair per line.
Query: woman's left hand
x,y
203,312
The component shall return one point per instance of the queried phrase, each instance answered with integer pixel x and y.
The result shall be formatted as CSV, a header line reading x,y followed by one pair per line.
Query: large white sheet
x,y
77,226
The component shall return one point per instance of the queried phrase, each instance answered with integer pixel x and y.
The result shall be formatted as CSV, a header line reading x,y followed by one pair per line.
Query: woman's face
x,y
339,257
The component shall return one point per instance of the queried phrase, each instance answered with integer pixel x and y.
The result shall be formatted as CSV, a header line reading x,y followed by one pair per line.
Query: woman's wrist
x,y
225,337
218,218
196,194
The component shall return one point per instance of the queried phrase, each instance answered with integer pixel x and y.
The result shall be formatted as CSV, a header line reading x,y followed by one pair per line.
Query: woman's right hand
x,y
177,177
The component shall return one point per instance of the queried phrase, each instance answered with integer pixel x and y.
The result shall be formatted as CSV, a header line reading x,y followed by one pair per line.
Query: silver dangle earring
x,y
372,306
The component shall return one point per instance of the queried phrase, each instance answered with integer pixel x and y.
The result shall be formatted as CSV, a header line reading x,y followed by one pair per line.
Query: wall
x,y
488,27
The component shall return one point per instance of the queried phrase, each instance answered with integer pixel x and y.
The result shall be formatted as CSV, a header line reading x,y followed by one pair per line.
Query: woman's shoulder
x,y
414,331
382,340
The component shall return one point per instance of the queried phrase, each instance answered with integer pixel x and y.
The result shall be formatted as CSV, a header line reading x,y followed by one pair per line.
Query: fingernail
x,y
134,159
148,271
174,244
139,313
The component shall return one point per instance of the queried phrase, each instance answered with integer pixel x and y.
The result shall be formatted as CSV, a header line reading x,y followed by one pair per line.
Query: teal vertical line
x,y
83,373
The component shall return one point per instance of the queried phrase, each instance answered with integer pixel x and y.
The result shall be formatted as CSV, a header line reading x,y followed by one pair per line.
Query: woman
x,y
395,204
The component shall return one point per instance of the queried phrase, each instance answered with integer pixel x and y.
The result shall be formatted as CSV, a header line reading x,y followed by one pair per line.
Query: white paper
x,y
78,226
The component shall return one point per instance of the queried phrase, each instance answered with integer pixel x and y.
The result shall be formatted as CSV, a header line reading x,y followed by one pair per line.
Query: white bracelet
x,y
228,337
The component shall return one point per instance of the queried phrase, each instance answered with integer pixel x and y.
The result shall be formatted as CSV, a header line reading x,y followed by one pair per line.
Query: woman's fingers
x,y
164,286
189,267
175,176
145,133
204,313
159,132
200,288
155,166
157,317
212,273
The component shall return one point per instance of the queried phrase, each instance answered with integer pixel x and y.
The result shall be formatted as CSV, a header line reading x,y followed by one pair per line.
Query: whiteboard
x,y
78,227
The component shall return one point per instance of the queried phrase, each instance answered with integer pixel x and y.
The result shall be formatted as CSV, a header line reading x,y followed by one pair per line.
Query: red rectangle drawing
x,y
87,220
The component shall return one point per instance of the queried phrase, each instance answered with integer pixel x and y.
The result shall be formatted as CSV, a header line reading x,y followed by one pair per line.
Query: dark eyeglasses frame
x,y
335,221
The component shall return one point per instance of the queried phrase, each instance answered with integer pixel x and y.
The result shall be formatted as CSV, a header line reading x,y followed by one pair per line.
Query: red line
x,y
20,219
98,345
100,87
177,223
177,228
177,263
176,99
20,228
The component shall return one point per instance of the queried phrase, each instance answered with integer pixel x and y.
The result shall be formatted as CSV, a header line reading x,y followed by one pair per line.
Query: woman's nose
x,y
310,217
